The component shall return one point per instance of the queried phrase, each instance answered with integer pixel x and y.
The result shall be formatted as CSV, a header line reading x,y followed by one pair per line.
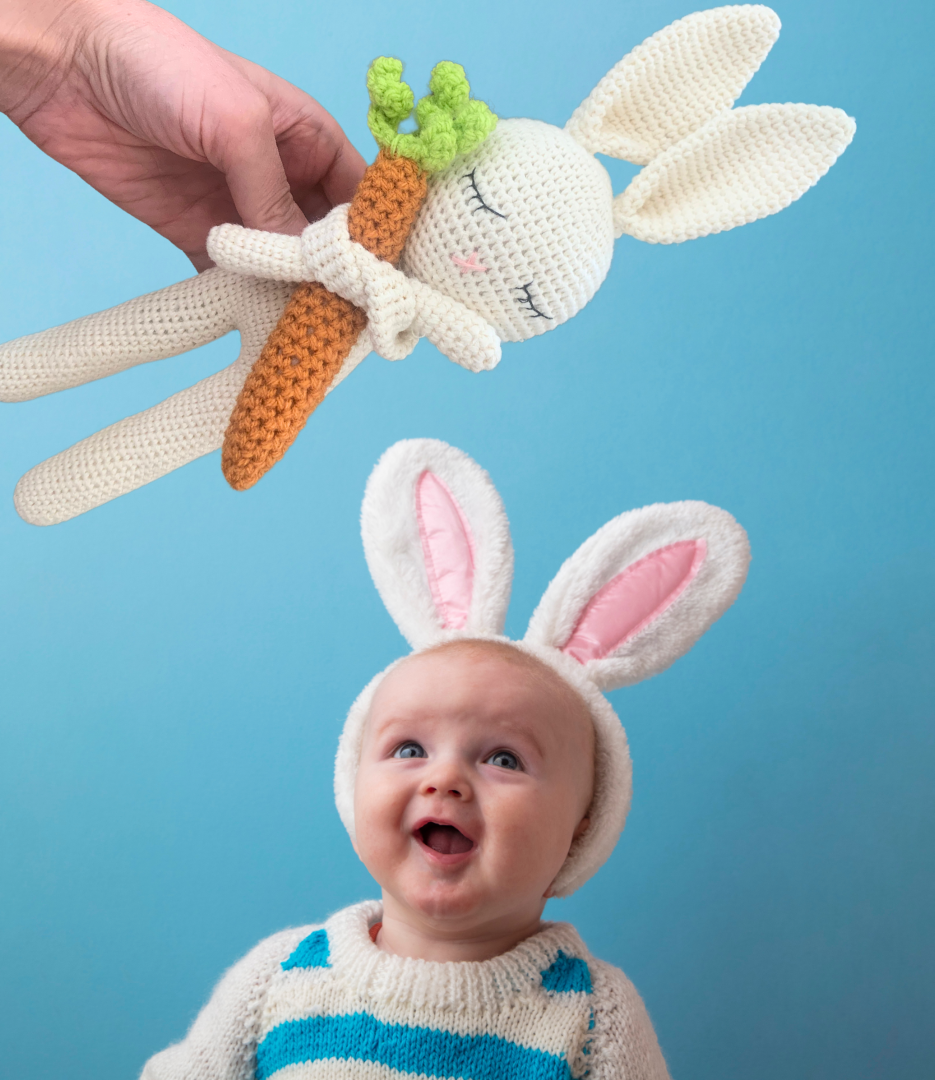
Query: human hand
x,y
173,129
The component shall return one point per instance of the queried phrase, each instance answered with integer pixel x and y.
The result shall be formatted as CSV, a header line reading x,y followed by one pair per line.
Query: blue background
x,y
176,665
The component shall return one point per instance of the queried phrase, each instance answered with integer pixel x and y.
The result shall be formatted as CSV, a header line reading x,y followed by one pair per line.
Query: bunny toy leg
x,y
152,327
150,444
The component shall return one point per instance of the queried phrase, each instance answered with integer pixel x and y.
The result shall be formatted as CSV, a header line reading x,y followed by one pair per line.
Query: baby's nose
x,y
431,790
447,779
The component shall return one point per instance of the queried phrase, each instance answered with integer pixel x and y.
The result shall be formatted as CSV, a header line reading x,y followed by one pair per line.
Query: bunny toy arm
x,y
400,309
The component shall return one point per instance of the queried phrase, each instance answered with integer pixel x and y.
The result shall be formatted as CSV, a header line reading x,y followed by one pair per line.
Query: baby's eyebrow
x,y
528,733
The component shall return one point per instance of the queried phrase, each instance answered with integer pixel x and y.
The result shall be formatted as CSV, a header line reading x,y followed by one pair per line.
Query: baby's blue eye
x,y
503,759
409,750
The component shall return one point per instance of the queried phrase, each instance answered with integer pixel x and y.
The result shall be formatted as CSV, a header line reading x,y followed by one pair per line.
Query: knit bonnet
x,y
633,598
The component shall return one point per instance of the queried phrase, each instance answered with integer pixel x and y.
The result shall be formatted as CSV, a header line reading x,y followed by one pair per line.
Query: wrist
x,y
38,41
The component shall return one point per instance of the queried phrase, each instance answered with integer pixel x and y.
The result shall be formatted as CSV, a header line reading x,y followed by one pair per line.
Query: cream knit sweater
x,y
322,1003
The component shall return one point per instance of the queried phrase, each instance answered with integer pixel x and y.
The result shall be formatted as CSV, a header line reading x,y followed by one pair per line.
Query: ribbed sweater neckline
x,y
453,985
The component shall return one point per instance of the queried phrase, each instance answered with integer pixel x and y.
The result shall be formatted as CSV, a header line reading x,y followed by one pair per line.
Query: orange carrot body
x,y
317,330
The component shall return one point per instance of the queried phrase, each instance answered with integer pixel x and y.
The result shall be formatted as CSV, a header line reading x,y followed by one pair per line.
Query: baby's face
x,y
475,776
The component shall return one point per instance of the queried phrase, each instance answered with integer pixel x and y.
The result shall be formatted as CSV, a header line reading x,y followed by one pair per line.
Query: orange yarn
x,y
300,358
385,206
317,330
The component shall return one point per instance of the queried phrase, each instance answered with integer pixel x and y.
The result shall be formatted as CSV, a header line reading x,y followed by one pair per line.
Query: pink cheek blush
x,y
469,265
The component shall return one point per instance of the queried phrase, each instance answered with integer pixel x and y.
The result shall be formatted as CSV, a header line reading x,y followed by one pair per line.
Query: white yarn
x,y
495,997
393,546
674,82
513,240
143,447
742,165
400,309
221,1043
555,236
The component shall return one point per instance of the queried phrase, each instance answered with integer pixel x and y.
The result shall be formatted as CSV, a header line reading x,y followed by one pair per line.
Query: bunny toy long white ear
x,y
642,590
437,542
674,82
668,105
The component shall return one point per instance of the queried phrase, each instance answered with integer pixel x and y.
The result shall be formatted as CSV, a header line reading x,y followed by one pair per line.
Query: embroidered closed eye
x,y
526,301
477,197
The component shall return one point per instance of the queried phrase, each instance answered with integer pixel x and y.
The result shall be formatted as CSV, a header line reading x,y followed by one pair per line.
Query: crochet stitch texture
x,y
514,237
318,329
325,1003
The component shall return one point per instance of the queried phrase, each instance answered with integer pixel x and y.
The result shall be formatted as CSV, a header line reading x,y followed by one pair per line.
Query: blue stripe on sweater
x,y
566,975
311,952
426,1051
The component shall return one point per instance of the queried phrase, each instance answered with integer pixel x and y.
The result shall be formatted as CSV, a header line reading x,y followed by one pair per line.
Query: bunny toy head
x,y
522,229
631,600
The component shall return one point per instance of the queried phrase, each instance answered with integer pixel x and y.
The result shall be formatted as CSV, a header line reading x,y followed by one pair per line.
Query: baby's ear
x,y
674,82
437,542
642,590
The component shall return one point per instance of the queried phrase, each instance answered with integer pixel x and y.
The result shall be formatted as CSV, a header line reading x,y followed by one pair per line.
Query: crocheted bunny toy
x,y
630,601
512,233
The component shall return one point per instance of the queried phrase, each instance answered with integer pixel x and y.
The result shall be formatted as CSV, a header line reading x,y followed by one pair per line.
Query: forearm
x,y
38,43
42,41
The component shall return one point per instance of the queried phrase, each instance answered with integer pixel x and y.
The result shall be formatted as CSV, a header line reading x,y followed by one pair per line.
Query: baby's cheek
x,y
376,817
536,836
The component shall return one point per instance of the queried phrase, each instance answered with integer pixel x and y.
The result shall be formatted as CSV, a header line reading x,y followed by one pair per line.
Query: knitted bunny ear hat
x,y
631,600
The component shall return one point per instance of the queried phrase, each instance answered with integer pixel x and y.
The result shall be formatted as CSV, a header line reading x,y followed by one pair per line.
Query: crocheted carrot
x,y
318,329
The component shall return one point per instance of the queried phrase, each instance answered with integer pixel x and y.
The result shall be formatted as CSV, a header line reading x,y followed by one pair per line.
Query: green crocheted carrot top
x,y
448,120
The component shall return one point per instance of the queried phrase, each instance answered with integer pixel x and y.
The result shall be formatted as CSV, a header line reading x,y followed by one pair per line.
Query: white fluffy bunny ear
x,y
642,590
742,165
437,542
675,82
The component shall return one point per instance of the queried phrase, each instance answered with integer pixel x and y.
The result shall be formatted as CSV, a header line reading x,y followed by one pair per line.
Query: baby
x,y
477,777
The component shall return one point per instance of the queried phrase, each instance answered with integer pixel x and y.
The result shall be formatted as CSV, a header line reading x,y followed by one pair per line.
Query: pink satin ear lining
x,y
633,599
448,549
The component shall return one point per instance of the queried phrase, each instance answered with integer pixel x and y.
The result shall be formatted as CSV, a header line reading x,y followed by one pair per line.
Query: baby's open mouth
x,y
445,839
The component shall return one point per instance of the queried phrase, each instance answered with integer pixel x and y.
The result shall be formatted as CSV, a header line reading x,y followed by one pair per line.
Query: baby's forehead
x,y
513,667
489,673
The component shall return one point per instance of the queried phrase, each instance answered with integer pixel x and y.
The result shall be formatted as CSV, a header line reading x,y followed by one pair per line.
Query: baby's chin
x,y
463,900
446,903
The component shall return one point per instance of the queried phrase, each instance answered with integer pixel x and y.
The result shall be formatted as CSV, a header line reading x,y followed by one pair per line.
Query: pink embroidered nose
x,y
470,265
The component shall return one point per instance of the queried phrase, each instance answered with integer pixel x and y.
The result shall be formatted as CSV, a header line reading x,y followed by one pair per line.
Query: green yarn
x,y
449,120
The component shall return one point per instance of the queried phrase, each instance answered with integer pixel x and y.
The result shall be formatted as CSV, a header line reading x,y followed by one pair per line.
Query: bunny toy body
x,y
513,238
327,1002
